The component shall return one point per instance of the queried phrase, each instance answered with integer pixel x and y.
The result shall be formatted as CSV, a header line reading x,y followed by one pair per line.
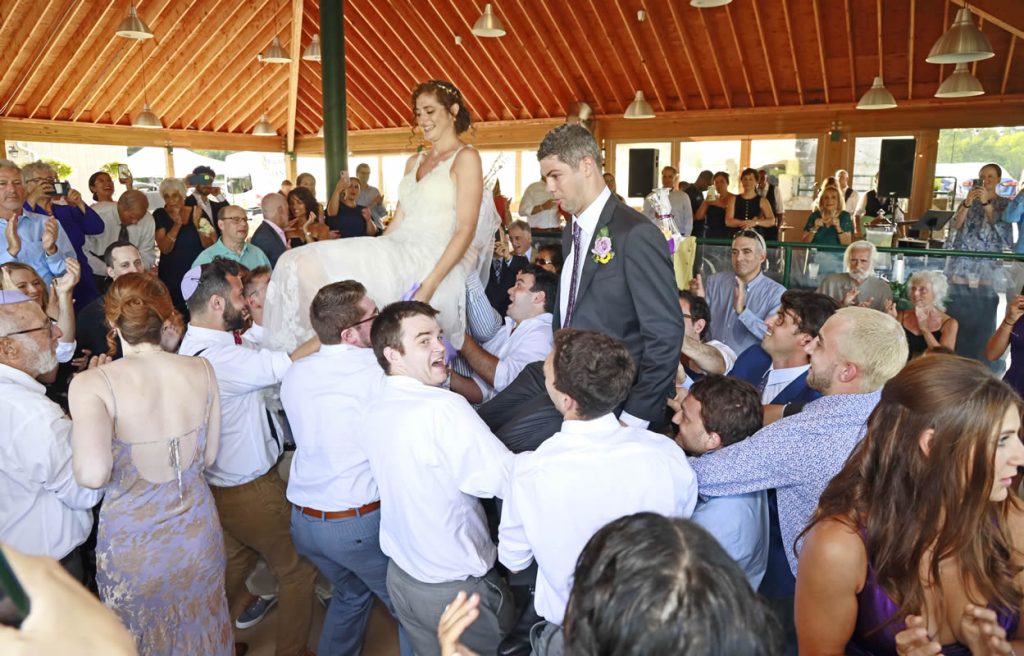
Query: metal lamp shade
x,y
488,24
276,54
264,128
639,108
707,4
877,97
313,49
146,118
963,42
961,84
133,27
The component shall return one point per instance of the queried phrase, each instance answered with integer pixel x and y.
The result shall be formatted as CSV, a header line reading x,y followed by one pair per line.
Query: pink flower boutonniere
x,y
602,250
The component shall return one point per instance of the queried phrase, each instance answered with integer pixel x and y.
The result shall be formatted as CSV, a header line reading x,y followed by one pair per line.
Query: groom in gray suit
x,y
617,279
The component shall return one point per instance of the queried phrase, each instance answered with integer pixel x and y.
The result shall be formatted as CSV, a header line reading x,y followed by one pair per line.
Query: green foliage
x,y
62,169
1003,146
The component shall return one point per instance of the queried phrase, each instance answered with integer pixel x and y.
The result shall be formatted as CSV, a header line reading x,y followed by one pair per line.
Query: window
x,y
792,163
695,156
962,153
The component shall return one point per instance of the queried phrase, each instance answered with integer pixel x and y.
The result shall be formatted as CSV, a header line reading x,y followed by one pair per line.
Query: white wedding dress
x,y
388,265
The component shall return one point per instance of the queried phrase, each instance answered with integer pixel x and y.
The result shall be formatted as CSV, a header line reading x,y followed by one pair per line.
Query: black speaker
x,y
896,167
643,171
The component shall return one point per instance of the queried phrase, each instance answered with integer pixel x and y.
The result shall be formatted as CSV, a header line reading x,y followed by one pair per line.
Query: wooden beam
x,y
293,74
631,30
684,36
878,16
792,49
764,51
169,161
1009,63
659,38
924,172
974,65
358,65
542,73
821,48
739,53
1005,15
15,129
945,26
718,66
603,65
910,49
849,52
41,55
566,49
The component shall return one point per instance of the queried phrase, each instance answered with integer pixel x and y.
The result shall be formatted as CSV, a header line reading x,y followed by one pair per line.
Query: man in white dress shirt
x,y
44,511
682,211
336,506
539,207
128,220
247,489
594,470
525,336
432,457
717,412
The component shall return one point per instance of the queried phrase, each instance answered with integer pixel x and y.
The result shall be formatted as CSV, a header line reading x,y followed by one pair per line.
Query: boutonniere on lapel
x,y
602,250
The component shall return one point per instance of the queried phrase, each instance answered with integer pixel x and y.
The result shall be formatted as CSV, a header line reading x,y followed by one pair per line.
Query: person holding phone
x,y
205,195
48,196
345,216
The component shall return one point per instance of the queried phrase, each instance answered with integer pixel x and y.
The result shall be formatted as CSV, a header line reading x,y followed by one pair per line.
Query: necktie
x,y
237,335
577,234
122,235
764,380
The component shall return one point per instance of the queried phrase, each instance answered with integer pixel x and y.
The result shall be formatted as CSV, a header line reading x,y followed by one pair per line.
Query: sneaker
x,y
255,612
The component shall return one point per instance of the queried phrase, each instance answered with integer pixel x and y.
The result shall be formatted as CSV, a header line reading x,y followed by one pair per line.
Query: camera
x,y
123,173
60,189
199,179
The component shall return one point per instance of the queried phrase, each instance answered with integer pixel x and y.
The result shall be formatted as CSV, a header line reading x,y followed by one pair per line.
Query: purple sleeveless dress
x,y
872,637
160,552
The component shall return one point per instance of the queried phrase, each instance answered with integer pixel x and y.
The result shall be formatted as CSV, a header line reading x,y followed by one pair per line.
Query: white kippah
x,y
11,296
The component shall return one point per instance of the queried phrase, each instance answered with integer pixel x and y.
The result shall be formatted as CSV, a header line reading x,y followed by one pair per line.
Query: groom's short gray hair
x,y
570,143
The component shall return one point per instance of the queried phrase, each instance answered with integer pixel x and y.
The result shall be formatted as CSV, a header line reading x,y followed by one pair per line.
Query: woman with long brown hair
x,y
915,546
146,426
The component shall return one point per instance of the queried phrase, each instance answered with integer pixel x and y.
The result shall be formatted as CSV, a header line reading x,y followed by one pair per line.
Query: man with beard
x,y
858,285
856,351
45,512
247,489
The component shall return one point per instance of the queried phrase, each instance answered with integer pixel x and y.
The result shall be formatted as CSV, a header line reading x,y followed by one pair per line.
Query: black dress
x,y
175,264
349,221
747,209
714,223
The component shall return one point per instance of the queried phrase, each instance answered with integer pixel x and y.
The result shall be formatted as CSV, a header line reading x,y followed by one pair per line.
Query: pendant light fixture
x,y
639,108
708,4
146,118
963,42
878,97
133,27
313,49
488,24
263,128
320,132
276,54
961,84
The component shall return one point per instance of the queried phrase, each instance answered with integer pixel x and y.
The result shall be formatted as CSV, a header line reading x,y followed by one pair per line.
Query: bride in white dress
x,y
437,235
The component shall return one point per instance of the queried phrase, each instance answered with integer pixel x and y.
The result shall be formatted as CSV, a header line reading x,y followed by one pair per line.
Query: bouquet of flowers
x,y
665,219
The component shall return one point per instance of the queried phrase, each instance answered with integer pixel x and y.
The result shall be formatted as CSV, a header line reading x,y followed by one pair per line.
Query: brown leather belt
x,y
339,514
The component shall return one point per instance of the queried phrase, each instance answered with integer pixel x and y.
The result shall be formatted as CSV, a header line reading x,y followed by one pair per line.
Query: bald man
x,y
127,220
269,236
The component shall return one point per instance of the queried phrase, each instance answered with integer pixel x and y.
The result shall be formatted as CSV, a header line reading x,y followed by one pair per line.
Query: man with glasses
x,y
27,237
742,299
233,225
336,505
45,512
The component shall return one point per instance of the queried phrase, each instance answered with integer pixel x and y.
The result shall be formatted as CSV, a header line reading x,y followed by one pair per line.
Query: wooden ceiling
x,y
63,62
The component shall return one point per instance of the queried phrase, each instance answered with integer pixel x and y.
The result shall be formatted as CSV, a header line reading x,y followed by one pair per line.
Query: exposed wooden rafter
x,y
910,49
764,51
792,49
718,67
739,55
295,48
821,48
1009,63
849,50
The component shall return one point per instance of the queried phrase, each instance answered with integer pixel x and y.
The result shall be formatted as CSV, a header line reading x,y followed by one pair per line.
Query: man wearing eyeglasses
x,y
234,228
27,237
45,512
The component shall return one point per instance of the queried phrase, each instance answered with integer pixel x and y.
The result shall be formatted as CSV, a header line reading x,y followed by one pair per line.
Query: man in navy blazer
x,y
617,279
778,365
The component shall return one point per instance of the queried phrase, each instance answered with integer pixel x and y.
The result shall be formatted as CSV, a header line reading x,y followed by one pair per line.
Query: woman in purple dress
x,y
1010,333
145,428
916,545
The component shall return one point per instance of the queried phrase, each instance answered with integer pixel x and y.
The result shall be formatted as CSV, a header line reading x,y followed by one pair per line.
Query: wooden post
x,y
169,160
924,172
291,166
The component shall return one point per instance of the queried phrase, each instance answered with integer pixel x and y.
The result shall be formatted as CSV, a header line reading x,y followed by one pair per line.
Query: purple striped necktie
x,y
576,258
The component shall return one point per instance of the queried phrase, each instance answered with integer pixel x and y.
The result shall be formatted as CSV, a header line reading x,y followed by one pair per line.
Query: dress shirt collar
x,y
254,334
787,375
407,382
210,336
589,217
19,377
280,233
759,280
603,424
338,349
545,317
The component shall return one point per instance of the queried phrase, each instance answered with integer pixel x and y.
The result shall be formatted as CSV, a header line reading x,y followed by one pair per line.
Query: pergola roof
x,y
63,61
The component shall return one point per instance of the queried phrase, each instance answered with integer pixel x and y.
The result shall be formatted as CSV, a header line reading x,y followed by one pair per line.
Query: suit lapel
x,y
589,264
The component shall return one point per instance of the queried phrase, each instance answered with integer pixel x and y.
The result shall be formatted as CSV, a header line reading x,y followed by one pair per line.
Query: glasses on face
x,y
51,180
48,327
234,219
362,321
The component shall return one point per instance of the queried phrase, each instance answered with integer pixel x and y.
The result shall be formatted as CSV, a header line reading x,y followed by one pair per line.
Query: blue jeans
x,y
347,552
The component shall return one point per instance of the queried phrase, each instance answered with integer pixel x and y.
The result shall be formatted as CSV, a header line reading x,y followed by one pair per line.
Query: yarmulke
x,y
12,296
190,282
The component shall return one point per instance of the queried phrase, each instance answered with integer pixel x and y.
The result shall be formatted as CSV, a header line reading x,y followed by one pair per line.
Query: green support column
x,y
332,48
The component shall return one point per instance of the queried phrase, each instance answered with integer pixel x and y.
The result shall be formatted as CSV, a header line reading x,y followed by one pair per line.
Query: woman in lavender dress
x,y
145,427
916,545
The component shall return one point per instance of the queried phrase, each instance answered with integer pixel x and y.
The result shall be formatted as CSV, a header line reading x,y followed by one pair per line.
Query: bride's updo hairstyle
x,y
447,95
138,304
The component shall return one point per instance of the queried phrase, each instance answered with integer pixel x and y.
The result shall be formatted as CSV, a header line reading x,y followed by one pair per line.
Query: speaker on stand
x,y
643,171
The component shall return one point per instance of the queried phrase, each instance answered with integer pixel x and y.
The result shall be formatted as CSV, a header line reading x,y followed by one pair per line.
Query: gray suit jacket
x,y
632,298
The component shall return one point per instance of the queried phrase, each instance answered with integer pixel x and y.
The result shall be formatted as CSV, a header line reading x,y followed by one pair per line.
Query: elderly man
x,y
521,236
44,511
770,191
432,457
129,220
370,197
742,299
856,351
27,237
539,207
233,225
850,196
682,210
75,217
269,237
858,285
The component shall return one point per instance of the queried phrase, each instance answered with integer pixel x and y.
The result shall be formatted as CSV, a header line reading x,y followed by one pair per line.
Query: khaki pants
x,y
256,518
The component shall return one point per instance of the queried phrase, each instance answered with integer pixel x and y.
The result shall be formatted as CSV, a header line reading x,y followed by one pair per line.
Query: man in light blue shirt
x,y
234,227
28,237
720,411
743,298
1015,214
